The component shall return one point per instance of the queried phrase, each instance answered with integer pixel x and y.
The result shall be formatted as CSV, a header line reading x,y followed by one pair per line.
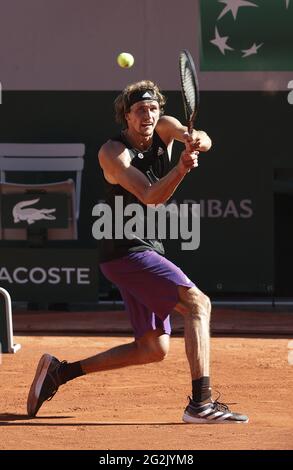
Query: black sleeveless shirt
x,y
154,163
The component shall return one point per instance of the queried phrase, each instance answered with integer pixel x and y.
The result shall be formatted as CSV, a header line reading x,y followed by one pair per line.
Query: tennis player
x,y
136,166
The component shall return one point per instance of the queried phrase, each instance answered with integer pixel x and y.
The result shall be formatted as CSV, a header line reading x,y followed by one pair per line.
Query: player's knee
x,y
193,301
159,354
157,348
208,304
160,349
201,305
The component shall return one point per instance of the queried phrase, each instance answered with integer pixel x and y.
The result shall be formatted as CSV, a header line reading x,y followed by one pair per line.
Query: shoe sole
x,y
36,386
187,418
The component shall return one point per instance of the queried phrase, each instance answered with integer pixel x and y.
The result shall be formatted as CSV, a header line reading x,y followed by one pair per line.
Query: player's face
x,y
143,117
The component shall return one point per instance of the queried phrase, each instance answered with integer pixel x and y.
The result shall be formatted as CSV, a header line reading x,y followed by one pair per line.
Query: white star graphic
x,y
233,6
220,42
253,50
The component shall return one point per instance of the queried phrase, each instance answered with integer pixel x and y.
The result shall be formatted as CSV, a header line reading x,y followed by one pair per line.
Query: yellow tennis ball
x,y
125,60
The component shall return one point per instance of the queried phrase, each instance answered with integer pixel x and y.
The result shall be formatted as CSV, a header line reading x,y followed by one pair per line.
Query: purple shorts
x,y
148,285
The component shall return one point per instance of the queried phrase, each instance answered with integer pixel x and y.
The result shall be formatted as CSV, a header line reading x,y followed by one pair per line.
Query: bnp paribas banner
x,y
240,35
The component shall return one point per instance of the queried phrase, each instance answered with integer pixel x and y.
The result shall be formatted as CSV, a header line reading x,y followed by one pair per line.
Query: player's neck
x,y
138,141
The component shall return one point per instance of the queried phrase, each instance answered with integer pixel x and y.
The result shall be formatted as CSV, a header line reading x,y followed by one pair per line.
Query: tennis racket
x,y
189,87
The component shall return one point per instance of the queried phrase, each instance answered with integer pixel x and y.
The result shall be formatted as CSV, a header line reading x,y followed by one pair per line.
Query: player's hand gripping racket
x,y
189,86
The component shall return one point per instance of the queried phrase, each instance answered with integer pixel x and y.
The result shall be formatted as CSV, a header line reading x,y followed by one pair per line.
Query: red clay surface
x,y
141,407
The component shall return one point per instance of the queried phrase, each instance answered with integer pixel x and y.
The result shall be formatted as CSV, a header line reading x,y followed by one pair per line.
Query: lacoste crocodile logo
x,y
31,214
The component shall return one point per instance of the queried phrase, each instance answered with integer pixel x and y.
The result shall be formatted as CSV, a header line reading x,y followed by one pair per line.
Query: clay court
x,y
141,407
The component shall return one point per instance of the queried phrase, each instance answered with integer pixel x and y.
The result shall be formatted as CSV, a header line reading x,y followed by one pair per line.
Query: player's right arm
x,y
169,128
115,161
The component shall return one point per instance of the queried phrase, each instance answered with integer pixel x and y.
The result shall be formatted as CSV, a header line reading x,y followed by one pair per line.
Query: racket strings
x,y
189,86
189,91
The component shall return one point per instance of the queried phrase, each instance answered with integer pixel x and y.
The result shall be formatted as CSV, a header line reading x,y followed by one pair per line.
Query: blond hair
x,y
122,102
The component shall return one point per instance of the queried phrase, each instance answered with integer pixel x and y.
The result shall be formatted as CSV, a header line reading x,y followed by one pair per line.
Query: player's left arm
x,y
169,129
